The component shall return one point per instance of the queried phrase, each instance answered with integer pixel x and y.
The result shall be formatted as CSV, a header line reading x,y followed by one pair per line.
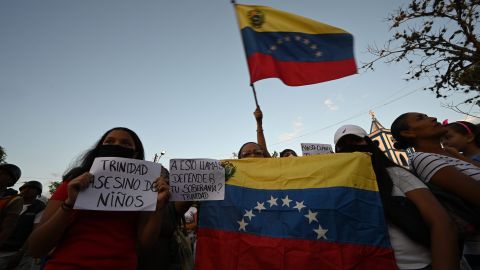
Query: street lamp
x,y
157,157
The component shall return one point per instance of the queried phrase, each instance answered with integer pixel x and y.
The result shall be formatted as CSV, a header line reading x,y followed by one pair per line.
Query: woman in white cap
x,y
393,180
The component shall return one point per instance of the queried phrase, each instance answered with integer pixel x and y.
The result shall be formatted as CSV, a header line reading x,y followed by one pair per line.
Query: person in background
x,y
13,249
394,180
10,204
82,239
434,164
288,153
464,137
165,252
252,150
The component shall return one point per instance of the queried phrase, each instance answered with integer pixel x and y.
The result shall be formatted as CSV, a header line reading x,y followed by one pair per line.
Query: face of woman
x,y
455,140
423,126
119,137
251,150
346,142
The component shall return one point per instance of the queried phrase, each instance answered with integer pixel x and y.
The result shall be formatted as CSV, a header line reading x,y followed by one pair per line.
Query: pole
x,y
254,94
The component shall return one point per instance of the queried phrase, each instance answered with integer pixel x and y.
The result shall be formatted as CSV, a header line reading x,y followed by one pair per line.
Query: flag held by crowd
x,y
315,212
295,49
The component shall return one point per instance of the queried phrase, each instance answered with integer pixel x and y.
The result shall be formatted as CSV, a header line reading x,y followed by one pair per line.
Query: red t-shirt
x,y
95,239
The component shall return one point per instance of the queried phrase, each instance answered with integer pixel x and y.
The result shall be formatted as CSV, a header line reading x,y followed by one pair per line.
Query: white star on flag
x,y
299,206
286,201
243,224
260,207
249,214
312,216
320,232
272,201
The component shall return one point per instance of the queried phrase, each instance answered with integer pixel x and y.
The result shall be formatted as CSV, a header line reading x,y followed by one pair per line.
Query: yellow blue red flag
x,y
295,49
315,212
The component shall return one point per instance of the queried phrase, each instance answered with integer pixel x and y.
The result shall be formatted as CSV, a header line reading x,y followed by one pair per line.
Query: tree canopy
x,y
439,40
3,155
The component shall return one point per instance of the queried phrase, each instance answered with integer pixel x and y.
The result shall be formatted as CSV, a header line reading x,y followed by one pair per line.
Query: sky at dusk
x,y
175,73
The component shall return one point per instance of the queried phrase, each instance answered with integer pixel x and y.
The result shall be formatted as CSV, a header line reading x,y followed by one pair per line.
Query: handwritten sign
x,y
309,149
120,184
197,179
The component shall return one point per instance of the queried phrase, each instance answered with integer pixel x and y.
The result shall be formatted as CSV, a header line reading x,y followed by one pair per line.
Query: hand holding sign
x,y
76,185
163,191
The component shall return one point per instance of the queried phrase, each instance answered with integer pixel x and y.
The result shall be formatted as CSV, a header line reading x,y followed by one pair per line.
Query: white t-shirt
x,y
408,253
427,164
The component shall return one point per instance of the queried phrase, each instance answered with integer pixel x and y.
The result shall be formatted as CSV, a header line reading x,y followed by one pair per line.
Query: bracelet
x,y
67,207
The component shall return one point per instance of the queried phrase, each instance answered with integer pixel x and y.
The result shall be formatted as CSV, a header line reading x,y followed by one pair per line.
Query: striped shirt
x,y
426,165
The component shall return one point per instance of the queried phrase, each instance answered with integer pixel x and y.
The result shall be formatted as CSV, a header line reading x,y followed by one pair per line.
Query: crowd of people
x,y
35,235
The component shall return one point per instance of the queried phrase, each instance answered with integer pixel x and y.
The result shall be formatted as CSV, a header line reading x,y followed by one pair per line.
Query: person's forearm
x,y
46,235
261,138
444,246
150,227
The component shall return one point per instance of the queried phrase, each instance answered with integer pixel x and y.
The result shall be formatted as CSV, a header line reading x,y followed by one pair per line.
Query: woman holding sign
x,y
96,239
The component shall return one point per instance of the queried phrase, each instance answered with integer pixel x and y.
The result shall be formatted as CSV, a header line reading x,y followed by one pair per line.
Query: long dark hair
x,y
85,161
380,163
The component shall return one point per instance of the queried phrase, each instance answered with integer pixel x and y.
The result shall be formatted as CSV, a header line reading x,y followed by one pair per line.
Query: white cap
x,y
347,130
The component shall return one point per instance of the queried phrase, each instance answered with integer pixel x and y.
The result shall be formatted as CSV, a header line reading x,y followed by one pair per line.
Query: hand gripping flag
x,y
295,49
315,212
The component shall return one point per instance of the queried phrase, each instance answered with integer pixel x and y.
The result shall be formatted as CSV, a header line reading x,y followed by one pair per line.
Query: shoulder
x,y
61,192
404,180
425,165
14,205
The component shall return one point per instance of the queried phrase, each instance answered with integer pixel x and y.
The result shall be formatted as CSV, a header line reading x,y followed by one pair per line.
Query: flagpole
x,y
254,94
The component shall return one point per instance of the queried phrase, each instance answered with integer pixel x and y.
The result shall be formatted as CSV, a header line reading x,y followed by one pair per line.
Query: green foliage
x,y
3,155
52,187
439,41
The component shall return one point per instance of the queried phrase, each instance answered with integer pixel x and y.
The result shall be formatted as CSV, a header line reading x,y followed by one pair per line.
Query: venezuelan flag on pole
x,y
295,49
315,212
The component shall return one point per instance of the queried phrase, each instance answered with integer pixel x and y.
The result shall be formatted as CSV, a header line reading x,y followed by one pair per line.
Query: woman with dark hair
x,y
464,137
288,153
252,150
441,251
430,161
434,164
96,239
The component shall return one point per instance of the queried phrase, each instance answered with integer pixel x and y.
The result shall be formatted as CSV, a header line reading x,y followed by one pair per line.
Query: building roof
x,y
375,124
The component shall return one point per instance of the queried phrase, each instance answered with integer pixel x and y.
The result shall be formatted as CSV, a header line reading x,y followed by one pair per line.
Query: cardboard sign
x,y
309,149
197,180
120,184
